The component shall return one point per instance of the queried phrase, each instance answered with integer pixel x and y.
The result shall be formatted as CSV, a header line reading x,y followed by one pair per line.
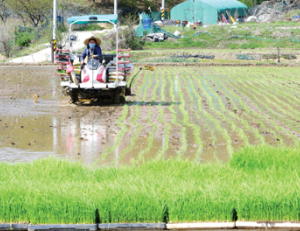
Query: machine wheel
x,y
127,91
117,96
122,99
74,96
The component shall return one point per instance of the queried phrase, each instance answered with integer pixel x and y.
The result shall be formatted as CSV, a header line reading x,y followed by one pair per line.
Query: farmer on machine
x,y
92,47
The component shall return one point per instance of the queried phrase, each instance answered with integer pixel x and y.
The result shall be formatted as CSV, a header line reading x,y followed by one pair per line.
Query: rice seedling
x,y
213,122
150,140
219,116
167,126
260,104
142,90
122,125
124,129
259,118
259,183
196,128
173,87
135,135
151,135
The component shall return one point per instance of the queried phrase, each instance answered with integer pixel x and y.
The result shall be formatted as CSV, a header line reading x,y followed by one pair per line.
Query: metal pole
x,y
15,36
117,52
117,40
163,10
278,54
116,7
54,27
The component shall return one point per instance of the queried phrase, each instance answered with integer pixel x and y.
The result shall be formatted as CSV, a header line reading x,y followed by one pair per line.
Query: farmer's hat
x,y
87,41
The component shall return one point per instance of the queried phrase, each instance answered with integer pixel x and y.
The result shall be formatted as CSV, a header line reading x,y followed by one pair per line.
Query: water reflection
x,y
28,138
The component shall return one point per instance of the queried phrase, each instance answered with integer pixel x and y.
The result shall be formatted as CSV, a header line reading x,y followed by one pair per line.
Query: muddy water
x,y
51,126
216,112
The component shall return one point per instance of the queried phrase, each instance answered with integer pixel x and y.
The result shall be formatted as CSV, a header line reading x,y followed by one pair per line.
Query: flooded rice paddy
x,y
198,113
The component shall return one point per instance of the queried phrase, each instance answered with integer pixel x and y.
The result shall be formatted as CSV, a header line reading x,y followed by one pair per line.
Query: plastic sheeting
x,y
208,11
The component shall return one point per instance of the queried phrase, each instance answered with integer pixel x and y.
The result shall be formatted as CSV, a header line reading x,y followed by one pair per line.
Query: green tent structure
x,y
208,11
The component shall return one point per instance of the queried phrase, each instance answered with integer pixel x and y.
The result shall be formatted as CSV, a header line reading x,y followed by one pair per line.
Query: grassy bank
x,y
259,183
241,36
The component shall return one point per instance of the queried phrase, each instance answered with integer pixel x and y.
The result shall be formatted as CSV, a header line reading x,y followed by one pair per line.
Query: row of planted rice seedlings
x,y
277,111
121,133
261,123
143,91
231,117
233,72
193,125
155,91
123,127
253,115
175,86
263,106
237,120
281,110
289,85
241,111
138,128
150,139
289,96
212,123
218,115
285,101
268,93
167,126
122,124
260,118
202,116
224,114
192,133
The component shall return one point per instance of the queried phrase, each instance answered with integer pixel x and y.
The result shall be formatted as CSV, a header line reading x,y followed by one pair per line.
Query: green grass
x,y
89,27
260,183
219,36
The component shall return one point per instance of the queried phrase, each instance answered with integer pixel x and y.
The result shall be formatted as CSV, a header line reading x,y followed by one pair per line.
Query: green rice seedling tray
x,y
92,227
13,226
61,71
135,226
201,225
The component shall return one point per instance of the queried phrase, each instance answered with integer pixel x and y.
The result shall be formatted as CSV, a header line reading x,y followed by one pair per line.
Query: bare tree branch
x,y
6,38
5,11
34,11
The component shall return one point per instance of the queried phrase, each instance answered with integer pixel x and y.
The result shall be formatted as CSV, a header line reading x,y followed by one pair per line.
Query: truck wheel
x,y
74,96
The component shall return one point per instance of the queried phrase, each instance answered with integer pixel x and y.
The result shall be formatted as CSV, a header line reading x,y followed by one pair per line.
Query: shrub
x,y
90,27
135,42
24,39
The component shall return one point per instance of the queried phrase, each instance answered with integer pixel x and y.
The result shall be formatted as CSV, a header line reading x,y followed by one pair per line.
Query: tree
x,y
33,10
74,7
5,11
6,38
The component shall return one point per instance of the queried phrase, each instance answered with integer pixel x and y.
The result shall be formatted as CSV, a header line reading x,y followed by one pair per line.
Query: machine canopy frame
x,y
100,18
